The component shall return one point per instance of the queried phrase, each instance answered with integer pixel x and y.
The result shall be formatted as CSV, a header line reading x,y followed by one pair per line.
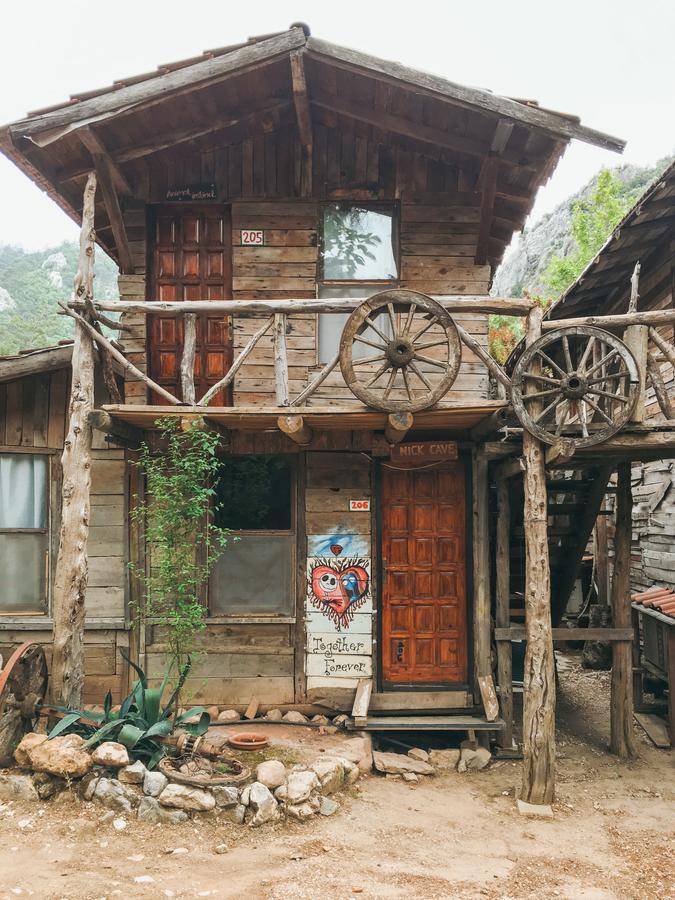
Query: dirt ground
x,y
449,836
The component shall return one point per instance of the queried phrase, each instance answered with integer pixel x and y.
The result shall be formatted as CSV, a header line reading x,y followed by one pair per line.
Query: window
x,y
359,257
24,533
255,574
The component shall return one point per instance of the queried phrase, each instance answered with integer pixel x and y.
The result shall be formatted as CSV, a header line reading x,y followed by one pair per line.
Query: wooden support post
x,y
601,560
636,338
72,568
481,569
280,360
538,785
488,187
397,426
303,117
622,738
638,688
112,206
662,397
296,428
118,432
187,363
503,610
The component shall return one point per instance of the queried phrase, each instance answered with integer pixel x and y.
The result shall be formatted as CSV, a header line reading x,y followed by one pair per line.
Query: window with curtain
x,y
255,575
358,258
24,533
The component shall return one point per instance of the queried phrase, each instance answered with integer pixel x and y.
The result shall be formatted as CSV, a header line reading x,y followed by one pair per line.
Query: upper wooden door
x,y
424,606
190,259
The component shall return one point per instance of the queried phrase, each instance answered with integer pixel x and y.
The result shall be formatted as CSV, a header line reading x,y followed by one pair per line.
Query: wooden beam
x,y
96,147
622,737
313,386
72,566
648,317
296,429
35,363
281,360
480,351
172,83
303,117
237,364
488,191
187,362
538,785
563,635
503,610
398,425
662,397
112,206
504,107
452,303
119,432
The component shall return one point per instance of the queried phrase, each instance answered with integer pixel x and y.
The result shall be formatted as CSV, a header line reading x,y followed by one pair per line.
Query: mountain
x,y
529,255
32,283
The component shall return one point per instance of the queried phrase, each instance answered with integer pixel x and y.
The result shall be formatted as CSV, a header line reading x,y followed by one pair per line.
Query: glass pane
x,y
23,490
23,563
331,324
254,576
358,244
253,493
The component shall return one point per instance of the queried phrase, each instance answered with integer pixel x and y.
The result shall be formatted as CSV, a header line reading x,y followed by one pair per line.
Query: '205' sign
x,y
252,238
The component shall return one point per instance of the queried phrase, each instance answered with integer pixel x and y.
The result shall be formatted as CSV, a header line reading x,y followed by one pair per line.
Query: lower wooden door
x,y
424,602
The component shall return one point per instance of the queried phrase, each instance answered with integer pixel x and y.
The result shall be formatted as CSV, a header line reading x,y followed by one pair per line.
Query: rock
x,y
133,774
295,716
331,774
144,879
274,715
47,786
220,849
226,796
534,809
154,783
321,720
444,759
341,720
475,759
281,793
301,811
418,753
229,715
411,777
236,813
397,764
28,743
300,785
111,754
262,807
180,796
110,793
328,806
271,773
150,810
17,787
62,756
359,750
352,776
328,729
120,825
213,713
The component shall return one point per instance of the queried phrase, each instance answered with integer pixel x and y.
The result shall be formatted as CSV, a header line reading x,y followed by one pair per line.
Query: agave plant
x,y
141,721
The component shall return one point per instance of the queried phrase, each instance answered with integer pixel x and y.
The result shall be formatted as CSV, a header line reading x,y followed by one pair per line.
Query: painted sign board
x,y
359,506
191,193
424,451
252,238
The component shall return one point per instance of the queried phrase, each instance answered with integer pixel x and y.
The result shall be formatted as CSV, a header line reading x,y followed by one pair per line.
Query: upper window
x,y
359,243
255,573
24,539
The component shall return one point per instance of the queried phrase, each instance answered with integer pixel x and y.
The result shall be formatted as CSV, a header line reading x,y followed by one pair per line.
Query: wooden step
x,y
429,723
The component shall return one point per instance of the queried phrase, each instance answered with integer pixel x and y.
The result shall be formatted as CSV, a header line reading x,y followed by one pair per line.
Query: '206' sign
x,y
252,238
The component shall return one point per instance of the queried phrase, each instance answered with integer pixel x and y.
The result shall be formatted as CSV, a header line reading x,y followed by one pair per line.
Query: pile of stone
x,y
107,776
419,762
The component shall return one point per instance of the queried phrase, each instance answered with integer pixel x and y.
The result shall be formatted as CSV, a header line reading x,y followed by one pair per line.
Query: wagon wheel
x,y
578,384
415,357
23,686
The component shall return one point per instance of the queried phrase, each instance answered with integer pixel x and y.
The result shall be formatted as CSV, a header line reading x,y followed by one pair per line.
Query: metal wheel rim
x,y
629,374
398,348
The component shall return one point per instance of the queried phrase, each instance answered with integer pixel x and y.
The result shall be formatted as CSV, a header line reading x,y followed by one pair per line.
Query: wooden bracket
x,y
96,147
112,205
296,429
397,426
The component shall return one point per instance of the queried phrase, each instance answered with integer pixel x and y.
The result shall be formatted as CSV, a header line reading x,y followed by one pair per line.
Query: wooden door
x,y
424,604
190,259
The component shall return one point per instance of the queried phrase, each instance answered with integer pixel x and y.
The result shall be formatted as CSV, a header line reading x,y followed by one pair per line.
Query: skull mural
x,y
338,587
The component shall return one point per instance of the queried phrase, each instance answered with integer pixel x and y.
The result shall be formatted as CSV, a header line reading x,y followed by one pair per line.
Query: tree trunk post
x,y
70,579
503,610
622,738
538,785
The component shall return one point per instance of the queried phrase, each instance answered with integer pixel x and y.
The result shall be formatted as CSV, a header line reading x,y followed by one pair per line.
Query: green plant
x,y
141,721
183,541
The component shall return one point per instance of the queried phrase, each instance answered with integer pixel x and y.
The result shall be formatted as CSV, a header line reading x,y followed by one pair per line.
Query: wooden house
x,y
254,198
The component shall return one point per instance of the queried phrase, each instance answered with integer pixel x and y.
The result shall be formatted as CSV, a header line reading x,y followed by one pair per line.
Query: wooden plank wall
x,y
33,415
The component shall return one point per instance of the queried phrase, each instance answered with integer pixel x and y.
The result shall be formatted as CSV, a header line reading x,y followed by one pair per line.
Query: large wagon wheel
x,y
23,686
416,351
578,384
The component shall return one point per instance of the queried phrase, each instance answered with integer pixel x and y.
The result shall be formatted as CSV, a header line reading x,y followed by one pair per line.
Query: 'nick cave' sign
x,y
424,451
191,193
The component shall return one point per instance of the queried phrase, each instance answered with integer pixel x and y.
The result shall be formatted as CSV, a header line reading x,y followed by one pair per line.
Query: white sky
x,y
609,61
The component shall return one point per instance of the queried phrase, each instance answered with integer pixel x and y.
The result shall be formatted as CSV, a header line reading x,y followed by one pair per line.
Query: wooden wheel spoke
x,y
543,378
603,361
547,409
607,378
586,353
601,412
568,356
362,340
425,381
409,320
553,365
432,321
377,331
600,393
545,393
429,361
563,418
369,359
383,368
392,319
404,372
431,344
390,383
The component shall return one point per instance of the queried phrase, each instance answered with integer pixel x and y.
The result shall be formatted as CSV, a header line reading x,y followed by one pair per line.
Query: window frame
x,y
254,618
392,206
10,617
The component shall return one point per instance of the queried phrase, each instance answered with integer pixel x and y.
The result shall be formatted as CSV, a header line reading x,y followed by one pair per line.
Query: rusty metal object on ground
x,y
577,384
23,686
400,351
223,770
248,740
